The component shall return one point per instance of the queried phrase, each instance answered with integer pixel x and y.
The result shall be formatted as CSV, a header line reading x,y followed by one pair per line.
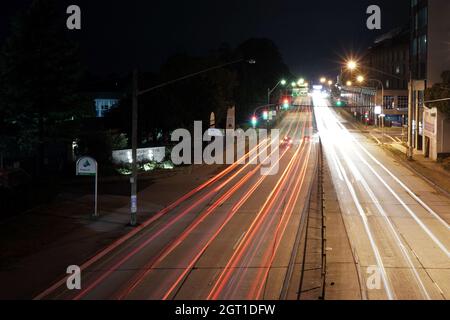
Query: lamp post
x,y
382,101
134,123
269,91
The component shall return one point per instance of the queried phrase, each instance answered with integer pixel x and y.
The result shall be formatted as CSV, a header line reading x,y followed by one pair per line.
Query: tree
x,y
440,91
40,72
254,80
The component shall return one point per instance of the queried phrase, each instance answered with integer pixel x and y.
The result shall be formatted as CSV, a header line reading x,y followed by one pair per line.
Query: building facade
x,y
387,62
105,102
429,57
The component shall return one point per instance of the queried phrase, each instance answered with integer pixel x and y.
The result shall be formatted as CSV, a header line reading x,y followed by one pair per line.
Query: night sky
x,y
311,35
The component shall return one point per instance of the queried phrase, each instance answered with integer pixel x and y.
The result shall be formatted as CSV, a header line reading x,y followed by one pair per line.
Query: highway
x,y
397,224
230,238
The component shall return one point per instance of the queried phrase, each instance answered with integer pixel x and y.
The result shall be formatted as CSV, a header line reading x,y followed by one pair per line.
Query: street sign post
x,y
87,166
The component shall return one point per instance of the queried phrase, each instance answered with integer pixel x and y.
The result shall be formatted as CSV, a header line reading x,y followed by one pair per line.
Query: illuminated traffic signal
x,y
286,104
254,121
265,115
339,103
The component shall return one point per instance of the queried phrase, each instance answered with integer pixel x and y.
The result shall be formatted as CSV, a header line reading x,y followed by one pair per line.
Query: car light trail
x,y
334,132
178,217
230,215
322,118
404,205
261,278
268,204
176,242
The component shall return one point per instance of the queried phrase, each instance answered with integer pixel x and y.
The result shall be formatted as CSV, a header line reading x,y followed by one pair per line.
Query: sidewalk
x,y
39,245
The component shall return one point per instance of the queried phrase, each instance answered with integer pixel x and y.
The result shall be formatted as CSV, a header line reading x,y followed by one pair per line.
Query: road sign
x,y
378,110
87,166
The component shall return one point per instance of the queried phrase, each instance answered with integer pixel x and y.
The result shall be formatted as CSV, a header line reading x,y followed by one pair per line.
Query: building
x,y
429,57
387,62
104,102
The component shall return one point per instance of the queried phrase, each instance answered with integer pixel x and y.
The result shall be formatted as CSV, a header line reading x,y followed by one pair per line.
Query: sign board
x,y
86,166
378,110
213,132
231,118
143,154
430,127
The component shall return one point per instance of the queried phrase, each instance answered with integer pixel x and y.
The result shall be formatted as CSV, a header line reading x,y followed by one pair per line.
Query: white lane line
x,y
392,138
378,141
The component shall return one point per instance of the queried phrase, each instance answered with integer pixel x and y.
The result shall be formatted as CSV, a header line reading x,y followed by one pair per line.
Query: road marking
x,y
378,141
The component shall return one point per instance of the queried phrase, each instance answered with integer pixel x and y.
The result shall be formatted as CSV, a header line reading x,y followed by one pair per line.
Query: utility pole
x,y
410,113
134,145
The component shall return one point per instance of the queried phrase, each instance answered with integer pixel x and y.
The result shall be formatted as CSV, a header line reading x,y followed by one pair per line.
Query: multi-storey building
x,y
429,57
387,63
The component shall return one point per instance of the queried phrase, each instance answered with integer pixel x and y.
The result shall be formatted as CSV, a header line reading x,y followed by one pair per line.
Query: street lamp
x,y
330,83
360,79
323,80
293,84
352,65
134,123
269,92
349,83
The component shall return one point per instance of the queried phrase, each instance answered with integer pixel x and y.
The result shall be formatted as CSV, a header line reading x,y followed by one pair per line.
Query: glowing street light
x,y
352,65
330,83
349,83
283,82
360,79
301,81
293,84
323,80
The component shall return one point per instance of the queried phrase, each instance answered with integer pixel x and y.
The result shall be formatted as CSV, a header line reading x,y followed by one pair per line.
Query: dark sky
x,y
311,35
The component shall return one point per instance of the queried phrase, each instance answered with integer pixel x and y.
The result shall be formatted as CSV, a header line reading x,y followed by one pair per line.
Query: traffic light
x,y
286,104
254,121
265,115
339,103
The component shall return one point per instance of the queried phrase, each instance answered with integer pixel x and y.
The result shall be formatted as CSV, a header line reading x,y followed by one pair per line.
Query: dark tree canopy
x,y
440,91
40,72
180,104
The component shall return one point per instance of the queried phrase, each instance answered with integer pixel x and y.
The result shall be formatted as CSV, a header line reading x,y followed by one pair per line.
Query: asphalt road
x,y
230,238
397,224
